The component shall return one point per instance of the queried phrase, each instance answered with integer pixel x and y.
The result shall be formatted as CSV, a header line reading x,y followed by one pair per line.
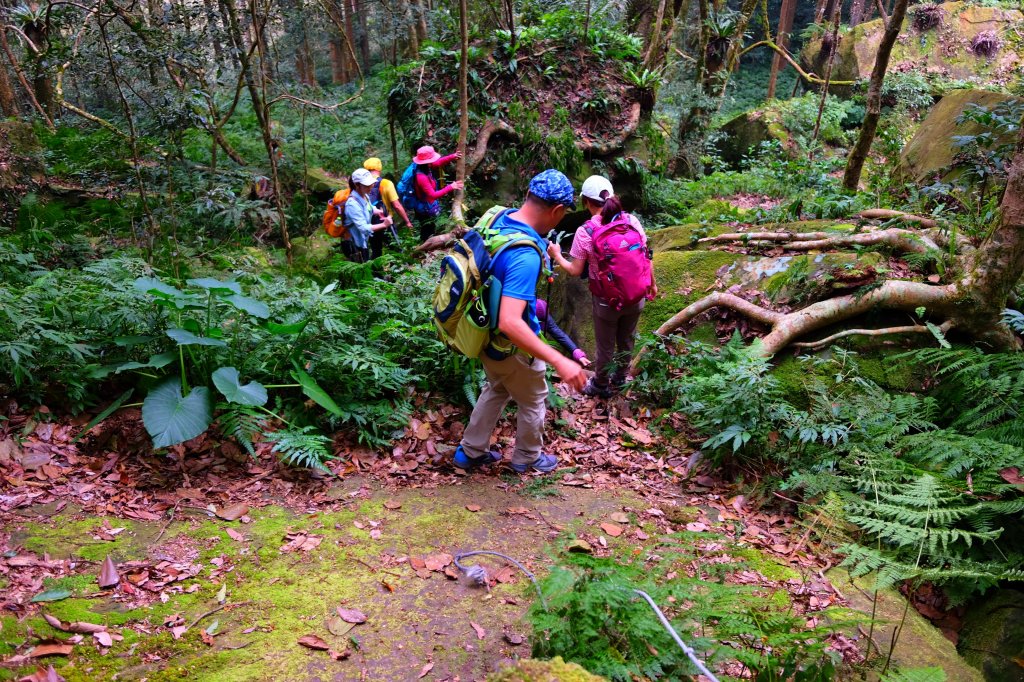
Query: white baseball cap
x,y
361,176
595,185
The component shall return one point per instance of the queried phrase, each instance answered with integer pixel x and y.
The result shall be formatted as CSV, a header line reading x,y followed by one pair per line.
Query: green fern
x,y
241,422
301,447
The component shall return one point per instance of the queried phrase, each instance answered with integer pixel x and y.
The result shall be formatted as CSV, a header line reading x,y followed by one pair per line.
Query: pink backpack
x,y
623,266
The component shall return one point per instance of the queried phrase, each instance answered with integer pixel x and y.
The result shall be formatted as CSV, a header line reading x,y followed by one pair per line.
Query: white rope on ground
x,y
478,574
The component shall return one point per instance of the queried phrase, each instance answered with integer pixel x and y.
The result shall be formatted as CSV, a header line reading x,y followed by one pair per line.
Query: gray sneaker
x,y
544,464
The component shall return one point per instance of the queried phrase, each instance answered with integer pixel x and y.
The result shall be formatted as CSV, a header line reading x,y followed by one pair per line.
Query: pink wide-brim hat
x,y
426,155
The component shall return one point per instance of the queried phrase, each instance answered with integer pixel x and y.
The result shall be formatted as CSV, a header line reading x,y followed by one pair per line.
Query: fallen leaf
x,y
235,535
473,507
696,527
337,627
480,632
417,563
612,529
1012,475
222,594
52,650
40,675
392,504
313,642
79,627
435,562
178,631
104,638
513,638
619,517
351,615
505,574
518,510
108,574
450,572
52,595
339,655
934,279
207,638
234,512
424,670
640,535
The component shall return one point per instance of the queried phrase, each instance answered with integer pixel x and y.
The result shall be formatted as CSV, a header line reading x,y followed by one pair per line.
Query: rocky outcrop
x,y
992,637
930,153
969,42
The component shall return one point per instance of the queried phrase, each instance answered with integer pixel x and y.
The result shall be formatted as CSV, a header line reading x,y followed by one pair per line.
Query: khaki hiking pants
x,y
515,378
614,336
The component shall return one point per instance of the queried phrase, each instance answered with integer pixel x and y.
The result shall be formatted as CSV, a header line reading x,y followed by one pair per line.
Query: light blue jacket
x,y
358,217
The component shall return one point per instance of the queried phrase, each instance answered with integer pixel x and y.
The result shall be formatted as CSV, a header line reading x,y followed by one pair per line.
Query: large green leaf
x,y
313,391
154,287
249,305
171,418
216,285
128,341
187,338
293,328
226,381
155,362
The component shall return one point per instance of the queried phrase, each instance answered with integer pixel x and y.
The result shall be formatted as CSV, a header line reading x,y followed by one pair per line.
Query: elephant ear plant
x,y
213,327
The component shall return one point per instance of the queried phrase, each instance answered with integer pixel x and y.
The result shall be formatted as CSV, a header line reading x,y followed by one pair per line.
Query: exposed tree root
x,y
907,241
616,143
483,138
885,331
787,327
888,214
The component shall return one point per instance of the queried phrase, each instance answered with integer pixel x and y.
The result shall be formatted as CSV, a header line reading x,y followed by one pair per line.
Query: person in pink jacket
x,y
428,207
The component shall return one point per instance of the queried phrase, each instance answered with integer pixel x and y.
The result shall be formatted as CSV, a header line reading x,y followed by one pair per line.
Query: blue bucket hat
x,y
552,186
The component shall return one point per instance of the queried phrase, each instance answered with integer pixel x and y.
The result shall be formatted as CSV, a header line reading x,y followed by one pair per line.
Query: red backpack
x,y
623,264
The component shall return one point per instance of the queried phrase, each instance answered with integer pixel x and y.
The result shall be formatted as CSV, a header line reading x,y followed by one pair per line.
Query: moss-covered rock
x,y
992,637
21,166
944,50
683,277
930,152
323,184
313,252
555,670
919,645
750,129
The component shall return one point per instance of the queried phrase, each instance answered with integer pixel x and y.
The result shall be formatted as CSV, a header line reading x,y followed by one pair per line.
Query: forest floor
x,y
236,568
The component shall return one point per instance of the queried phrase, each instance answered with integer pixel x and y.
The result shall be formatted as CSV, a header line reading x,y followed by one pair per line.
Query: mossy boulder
x,y
945,50
21,166
750,129
992,637
313,252
323,184
930,152
920,644
555,670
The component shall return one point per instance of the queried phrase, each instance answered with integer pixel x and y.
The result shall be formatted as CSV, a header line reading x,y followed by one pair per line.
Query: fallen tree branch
x,y
885,331
809,77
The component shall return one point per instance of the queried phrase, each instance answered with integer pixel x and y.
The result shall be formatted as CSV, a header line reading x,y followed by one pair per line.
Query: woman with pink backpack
x,y
613,247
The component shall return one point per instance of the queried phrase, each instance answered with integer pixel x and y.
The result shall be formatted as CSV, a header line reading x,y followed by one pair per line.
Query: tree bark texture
x,y
460,166
787,11
8,101
859,153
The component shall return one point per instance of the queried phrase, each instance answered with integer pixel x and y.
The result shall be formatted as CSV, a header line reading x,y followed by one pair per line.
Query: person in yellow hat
x,y
387,197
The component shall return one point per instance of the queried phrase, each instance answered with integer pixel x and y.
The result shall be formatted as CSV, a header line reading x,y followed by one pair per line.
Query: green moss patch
x,y
683,277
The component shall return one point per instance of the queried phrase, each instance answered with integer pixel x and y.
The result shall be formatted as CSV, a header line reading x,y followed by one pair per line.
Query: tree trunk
x,y
350,33
420,13
654,39
828,10
8,102
213,30
859,153
640,17
857,8
460,166
337,52
786,13
362,28
42,83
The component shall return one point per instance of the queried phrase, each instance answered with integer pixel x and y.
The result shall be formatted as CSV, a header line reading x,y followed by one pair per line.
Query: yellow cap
x,y
373,164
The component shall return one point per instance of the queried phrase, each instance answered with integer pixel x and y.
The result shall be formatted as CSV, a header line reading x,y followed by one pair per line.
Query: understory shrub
x,y
928,483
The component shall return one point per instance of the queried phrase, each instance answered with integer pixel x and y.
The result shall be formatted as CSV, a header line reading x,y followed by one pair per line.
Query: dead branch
x,y
809,77
907,241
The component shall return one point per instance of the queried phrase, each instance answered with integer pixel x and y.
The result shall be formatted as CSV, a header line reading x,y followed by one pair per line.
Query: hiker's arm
x,y
401,211
558,335
573,267
512,325
444,160
428,193
355,216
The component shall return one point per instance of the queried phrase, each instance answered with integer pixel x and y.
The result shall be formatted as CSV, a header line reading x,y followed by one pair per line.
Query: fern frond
x,y
302,447
241,422
916,675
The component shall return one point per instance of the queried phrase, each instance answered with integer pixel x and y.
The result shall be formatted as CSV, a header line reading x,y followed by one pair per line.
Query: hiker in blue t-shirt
x,y
516,361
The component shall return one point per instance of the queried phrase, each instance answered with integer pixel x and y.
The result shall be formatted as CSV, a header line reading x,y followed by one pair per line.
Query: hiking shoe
x,y
543,464
464,461
594,391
